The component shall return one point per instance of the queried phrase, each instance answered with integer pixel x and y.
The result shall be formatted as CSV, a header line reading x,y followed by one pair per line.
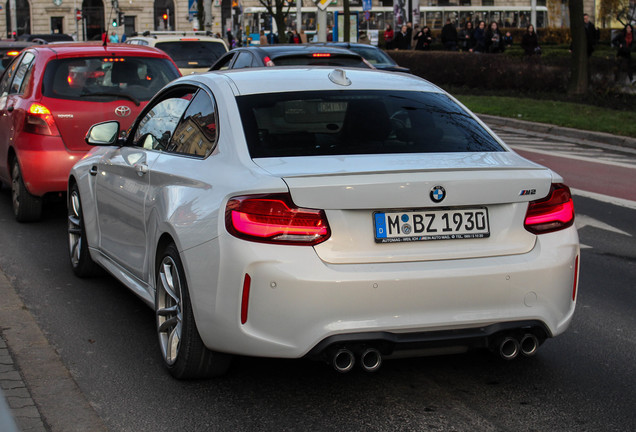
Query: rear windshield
x,y
193,54
107,79
320,60
359,122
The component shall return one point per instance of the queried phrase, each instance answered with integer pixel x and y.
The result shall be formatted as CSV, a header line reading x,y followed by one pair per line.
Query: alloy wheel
x,y
75,228
15,187
169,310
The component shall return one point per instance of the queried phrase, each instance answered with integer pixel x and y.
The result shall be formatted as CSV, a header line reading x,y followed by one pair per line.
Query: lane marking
x,y
606,199
582,221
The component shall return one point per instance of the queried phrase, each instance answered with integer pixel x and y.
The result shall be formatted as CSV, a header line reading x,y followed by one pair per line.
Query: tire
x,y
182,349
81,262
26,207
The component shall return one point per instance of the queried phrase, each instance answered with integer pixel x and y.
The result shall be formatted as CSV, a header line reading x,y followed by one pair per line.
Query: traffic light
x,y
120,18
165,17
114,22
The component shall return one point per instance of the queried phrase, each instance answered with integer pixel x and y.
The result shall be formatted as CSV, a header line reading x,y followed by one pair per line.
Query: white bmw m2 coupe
x,y
343,215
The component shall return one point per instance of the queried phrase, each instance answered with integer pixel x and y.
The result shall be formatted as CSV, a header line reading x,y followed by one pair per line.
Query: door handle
x,y
141,169
93,170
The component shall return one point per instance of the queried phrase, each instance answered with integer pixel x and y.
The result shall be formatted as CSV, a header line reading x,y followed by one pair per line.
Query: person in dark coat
x,y
479,38
424,39
465,36
409,33
449,36
530,42
402,39
591,34
494,39
624,41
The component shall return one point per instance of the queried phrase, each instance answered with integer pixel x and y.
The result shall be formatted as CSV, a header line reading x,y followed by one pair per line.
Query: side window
x,y
7,78
243,60
224,63
22,74
196,133
155,130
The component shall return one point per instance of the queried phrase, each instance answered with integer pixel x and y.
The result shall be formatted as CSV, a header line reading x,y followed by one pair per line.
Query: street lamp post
x,y
14,18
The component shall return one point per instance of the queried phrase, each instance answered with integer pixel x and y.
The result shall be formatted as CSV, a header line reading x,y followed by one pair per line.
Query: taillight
x,y
13,53
275,219
321,55
39,120
552,213
268,61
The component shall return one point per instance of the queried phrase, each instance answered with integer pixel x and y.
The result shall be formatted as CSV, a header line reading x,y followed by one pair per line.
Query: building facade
x,y
89,19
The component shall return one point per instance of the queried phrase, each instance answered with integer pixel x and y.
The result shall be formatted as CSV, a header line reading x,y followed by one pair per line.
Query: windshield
x,y
359,122
193,54
106,79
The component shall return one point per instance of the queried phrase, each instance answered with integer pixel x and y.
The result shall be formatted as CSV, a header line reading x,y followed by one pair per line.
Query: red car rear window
x,y
107,78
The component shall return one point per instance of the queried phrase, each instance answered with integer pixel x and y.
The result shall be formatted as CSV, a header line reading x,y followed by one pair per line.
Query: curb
x,y
47,389
581,136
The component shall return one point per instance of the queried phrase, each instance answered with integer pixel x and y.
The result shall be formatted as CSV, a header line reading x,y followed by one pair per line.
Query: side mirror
x,y
103,134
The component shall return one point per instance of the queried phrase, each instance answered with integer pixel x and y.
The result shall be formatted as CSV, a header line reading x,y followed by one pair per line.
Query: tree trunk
x,y
279,17
579,69
347,21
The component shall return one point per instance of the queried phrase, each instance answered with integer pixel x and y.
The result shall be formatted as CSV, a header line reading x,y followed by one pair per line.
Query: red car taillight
x,y
39,120
275,219
552,213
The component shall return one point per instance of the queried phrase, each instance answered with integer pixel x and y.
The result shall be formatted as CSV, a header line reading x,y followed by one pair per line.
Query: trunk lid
x,y
352,189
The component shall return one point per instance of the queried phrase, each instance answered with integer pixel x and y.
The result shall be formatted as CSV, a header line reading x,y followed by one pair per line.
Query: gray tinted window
x,y
193,54
243,60
332,60
359,122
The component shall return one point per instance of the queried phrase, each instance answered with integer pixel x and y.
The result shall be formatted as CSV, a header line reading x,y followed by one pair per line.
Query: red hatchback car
x,y
50,96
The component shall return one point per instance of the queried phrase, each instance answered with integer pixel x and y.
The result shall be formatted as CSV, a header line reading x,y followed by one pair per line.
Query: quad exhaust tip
x,y
509,348
371,360
343,360
529,344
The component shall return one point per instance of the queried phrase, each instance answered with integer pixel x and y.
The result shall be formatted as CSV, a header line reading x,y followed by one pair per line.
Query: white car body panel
x,y
301,295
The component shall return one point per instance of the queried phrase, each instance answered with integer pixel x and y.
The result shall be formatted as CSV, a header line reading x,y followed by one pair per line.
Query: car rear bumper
x,y
296,301
45,163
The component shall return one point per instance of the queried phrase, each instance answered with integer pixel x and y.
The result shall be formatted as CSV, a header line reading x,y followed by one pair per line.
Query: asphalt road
x,y
582,380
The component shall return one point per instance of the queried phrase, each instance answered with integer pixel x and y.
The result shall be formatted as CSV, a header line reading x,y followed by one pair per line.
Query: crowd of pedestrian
x,y
472,37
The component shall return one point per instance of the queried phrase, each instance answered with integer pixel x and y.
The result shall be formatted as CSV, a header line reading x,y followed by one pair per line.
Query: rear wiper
x,y
119,95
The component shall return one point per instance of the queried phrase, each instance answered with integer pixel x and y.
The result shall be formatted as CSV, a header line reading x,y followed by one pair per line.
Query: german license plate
x,y
431,224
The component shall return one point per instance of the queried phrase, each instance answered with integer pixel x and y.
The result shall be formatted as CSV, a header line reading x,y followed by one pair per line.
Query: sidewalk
x,y
37,387
38,393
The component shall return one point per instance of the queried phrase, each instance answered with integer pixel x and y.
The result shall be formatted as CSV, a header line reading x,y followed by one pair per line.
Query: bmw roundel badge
x,y
438,194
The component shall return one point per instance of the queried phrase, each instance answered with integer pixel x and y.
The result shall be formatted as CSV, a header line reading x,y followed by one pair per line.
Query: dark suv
x,y
289,55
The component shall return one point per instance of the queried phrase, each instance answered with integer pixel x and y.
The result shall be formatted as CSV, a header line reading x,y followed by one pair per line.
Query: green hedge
x,y
549,73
